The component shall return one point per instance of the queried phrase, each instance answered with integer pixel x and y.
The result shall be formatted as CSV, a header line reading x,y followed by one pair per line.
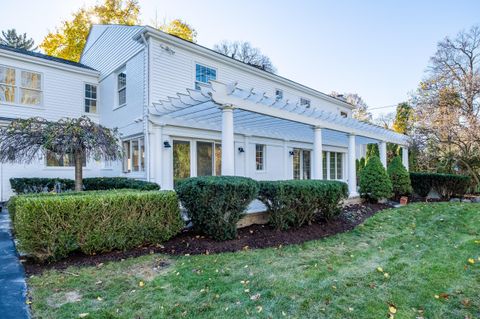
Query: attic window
x,y
305,102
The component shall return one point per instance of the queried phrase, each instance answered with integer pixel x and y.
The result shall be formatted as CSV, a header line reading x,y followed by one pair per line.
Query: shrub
x,y
39,185
374,181
298,202
51,227
216,203
399,177
446,185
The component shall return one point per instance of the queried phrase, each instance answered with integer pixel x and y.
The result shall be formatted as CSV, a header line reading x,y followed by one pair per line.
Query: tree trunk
x,y
78,171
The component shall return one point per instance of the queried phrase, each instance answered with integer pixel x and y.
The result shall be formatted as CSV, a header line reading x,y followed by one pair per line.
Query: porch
x,y
222,129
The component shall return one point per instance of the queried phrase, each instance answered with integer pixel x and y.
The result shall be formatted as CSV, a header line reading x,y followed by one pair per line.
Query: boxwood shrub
x,y
294,203
216,203
446,185
51,227
39,185
375,183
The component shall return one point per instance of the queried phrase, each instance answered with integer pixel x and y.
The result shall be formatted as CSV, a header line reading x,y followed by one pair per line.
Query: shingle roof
x,y
44,56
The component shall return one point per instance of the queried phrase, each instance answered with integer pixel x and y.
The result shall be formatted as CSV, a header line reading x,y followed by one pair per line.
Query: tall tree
x,y
403,118
23,140
20,41
67,42
244,52
447,125
181,29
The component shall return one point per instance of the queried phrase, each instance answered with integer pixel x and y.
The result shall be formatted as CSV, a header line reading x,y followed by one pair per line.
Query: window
x,y
278,94
31,88
336,165
343,114
204,74
90,98
324,164
260,157
301,164
7,84
305,102
133,155
181,160
28,85
67,160
122,87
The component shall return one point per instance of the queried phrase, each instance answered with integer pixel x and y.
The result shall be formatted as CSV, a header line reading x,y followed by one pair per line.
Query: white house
x,y
184,110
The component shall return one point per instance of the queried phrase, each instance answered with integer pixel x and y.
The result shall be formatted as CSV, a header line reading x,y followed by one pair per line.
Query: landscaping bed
x,y
252,237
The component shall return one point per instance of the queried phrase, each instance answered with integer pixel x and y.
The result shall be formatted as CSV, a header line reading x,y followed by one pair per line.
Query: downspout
x,y
146,103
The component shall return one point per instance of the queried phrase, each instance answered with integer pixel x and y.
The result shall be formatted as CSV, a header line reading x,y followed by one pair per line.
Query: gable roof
x,y
44,56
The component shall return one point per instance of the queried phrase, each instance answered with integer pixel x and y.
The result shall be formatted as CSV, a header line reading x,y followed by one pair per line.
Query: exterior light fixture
x,y
291,153
166,144
241,150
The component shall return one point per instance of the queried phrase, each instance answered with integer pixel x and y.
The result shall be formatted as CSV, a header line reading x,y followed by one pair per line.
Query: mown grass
x,y
424,249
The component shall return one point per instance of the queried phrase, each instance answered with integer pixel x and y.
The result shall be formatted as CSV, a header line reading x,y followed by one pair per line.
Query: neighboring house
x,y
184,110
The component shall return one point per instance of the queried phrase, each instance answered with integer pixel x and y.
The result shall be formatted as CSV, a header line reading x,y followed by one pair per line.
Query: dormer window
x,y
122,87
278,94
304,102
204,74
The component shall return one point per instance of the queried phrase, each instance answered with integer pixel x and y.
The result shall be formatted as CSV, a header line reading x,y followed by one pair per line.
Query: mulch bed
x,y
251,237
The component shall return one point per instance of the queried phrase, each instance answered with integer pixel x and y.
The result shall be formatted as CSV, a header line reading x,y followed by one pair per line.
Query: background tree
x,y
181,29
19,41
447,123
24,140
244,52
67,42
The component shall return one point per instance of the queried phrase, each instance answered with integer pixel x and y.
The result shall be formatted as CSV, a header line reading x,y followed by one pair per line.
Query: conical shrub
x,y
374,181
400,178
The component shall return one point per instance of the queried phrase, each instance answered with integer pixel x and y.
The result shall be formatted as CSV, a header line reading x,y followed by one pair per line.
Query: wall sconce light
x,y
241,150
291,153
166,144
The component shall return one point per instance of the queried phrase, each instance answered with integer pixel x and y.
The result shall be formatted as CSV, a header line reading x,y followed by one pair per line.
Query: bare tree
x,y
244,52
361,108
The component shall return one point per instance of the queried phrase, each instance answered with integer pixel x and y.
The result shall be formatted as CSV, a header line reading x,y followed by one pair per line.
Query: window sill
x,y
63,168
119,107
36,107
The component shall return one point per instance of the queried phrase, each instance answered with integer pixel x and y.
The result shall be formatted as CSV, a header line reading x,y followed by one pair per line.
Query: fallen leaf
x,y
471,261
392,308
386,275
83,315
259,308
141,284
379,269
444,295
255,297
437,296
466,302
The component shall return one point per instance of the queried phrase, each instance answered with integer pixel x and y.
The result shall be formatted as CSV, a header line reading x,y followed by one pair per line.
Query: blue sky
x,y
378,49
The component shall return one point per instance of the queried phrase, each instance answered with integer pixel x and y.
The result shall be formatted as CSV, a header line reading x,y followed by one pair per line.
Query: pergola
x,y
235,110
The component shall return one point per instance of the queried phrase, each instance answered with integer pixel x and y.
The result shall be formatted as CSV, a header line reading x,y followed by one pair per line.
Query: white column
x,y
157,149
317,154
246,155
167,164
228,143
382,148
352,174
405,156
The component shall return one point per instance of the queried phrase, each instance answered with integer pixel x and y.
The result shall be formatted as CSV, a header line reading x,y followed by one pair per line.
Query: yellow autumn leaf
x,y
392,309
379,269
437,296
471,260
141,284
386,275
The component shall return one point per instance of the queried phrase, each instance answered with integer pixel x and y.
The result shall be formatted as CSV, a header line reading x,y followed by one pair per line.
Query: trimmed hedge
x,y
216,203
375,183
51,227
40,185
294,203
446,185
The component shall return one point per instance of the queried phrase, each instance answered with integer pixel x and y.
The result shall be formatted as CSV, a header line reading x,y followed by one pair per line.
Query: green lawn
x,y
414,258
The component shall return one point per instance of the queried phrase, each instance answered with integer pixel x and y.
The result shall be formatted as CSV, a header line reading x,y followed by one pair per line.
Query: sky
x,y
377,49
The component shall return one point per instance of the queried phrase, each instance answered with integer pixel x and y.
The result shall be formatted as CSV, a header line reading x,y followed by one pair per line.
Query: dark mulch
x,y
252,237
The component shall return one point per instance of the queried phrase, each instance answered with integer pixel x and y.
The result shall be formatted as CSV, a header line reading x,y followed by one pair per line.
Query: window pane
x,y
204,159
30,97
142,155
332,166
7,75
90,106
66,160
218,159
278,94
260,157
181,160
324,164
296,164
135,152
127,163
339,166
306,165
122,96
122,80
204,74
31,80
7,93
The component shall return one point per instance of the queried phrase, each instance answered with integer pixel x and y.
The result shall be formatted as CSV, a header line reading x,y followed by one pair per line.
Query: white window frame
x,y
85,98
195,73
64,166
118,89
264,157
305,102
301,156
329,163
18,87
125,160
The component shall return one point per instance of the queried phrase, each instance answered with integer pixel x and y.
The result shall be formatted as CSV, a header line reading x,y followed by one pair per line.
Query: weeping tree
x,y
25,140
